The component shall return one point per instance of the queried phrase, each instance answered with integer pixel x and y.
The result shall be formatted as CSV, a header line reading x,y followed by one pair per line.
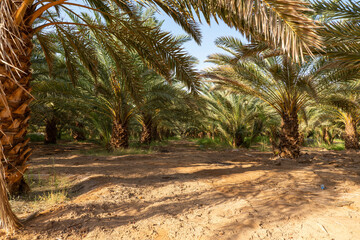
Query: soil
x,y
184,192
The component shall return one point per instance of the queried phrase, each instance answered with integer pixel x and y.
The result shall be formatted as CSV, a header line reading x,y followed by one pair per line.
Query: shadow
x,y
232,192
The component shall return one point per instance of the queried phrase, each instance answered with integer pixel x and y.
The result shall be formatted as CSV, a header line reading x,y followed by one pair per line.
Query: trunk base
x,y
119,136
289,146
19,188
51,132
146,133
351,136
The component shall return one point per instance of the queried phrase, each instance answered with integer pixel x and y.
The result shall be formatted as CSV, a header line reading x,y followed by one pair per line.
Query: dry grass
x,y
46,190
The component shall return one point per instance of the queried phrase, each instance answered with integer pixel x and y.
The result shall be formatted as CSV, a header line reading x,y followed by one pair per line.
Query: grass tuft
x,y
46,190
119,152
209,143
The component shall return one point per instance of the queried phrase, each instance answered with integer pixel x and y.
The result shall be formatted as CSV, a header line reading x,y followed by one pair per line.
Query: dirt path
x,y
186,193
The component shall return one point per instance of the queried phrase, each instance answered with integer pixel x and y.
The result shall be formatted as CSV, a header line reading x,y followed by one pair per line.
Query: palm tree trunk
x,y
154,132
289,136
326,137
78,133
51,131
351,136
238,138
59,132
119,136
8,219
16,46
146,133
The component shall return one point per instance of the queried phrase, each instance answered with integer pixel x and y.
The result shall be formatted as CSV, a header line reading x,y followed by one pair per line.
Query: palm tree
x,y
45,110
235,117
152,45
155,104
155,100
20,21
343,105
320,125
285,86
115,100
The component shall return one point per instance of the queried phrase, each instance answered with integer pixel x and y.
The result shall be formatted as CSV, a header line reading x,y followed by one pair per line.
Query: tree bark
x,y
119,136
351,136
146,133
51,131
326,136
15,114
289,136
59,132
79,132
154,132
238,139
9,221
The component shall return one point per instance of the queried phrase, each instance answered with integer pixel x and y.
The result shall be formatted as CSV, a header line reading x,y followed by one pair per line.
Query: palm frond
x,y
284,24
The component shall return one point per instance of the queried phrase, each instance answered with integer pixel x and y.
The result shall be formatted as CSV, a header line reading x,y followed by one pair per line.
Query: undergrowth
x,y
135,147
337,145
119,152
46,190
209,143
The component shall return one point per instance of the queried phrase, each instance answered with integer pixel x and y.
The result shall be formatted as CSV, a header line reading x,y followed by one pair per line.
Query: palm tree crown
x,y
286,86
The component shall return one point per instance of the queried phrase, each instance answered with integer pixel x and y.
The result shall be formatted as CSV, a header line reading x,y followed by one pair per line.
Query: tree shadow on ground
x,y
242,188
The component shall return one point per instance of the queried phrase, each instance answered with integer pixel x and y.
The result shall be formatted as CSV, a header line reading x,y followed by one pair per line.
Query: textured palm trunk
x,y
332,138
51,131
15,75
8,219
79,132
200,135
119,136
289,136
326,136
59,132
146,133
238,139
274,137
154,132
351,136
15,82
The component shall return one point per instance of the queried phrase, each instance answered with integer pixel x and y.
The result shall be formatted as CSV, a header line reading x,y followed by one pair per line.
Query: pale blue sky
x,y
209,33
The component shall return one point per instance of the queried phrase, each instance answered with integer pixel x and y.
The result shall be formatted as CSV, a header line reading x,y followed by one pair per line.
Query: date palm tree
x,y
286,86
342,105
236,117
152,45
284,24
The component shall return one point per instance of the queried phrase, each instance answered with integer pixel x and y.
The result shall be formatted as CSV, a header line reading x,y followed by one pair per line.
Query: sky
x,y
209,33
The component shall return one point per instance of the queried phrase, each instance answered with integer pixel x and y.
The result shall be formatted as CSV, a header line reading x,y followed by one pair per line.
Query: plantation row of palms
x,y
109,103
251,96
112,72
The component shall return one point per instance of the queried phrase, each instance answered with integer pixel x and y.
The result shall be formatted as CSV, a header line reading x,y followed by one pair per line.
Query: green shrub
x,y
36,137
206,143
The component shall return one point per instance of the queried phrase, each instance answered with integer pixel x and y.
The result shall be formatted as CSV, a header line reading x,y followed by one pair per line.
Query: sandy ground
x,y
183,192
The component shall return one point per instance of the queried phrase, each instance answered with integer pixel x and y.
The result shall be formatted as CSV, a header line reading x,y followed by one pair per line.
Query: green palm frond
x,y
335,9
341,31
284,85
283,24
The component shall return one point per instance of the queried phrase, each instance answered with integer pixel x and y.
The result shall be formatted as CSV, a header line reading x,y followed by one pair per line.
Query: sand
x,y
184,192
